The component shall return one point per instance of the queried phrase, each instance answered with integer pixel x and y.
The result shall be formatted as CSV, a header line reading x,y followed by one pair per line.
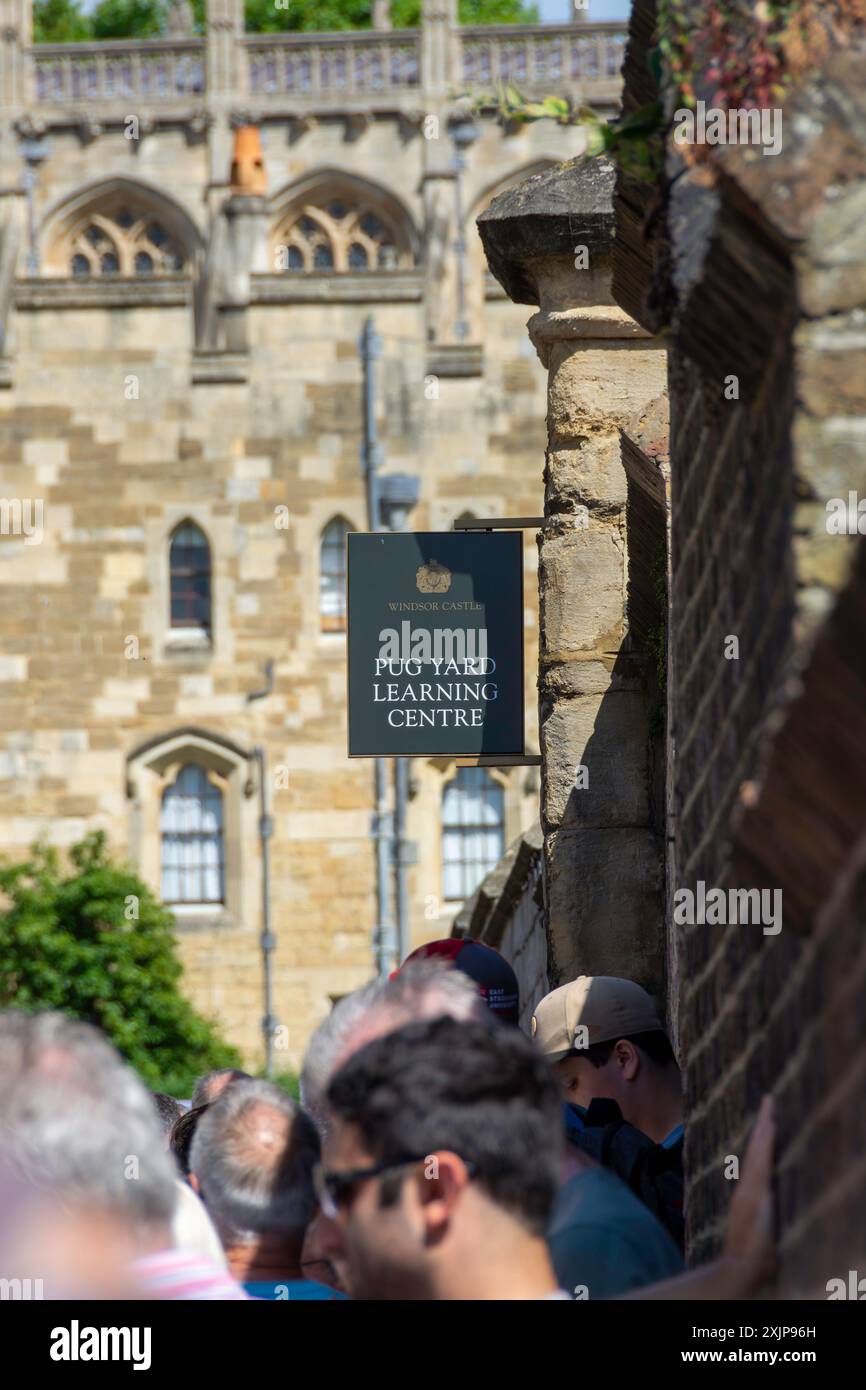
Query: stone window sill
x,y
201,916
181,640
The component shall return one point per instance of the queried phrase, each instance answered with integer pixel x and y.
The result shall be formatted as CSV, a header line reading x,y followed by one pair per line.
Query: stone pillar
x,y
382,14
246,220
440,69
440,48
548,243
16,38
227,78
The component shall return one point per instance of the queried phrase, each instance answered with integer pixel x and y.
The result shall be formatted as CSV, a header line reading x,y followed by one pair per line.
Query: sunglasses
x,y
336,1189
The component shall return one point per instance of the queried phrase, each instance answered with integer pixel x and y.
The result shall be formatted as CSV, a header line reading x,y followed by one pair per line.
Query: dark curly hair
x,y
490,1097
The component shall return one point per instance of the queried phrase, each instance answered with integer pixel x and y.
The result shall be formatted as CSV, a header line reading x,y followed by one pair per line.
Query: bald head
x,y
253,1156
210,1086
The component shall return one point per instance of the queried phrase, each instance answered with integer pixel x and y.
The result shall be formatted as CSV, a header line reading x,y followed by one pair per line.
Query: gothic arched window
x,y
191,836
340,233
473,830
332,575
121,239
190,577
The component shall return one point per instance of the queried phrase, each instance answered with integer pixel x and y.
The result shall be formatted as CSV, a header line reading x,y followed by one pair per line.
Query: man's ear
x,y
627,1059
441,1180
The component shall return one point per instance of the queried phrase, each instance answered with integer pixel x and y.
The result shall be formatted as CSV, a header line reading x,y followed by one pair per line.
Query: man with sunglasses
x,y
442,1162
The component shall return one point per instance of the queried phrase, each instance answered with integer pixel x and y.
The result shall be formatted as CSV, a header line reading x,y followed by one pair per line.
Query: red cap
x,y
496,981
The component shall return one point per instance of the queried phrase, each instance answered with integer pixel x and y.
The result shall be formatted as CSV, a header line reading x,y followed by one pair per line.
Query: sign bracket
x,y
503,760
499,523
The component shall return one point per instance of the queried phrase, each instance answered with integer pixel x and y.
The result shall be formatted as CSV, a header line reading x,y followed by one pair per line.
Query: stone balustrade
x,y
149,70
542,57
333,66
332,69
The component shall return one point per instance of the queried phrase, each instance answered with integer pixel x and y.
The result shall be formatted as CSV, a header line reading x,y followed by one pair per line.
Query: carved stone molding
x,y
30,127
89,128
356,124
245,115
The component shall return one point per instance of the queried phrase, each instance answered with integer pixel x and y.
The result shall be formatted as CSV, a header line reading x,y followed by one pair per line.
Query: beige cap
x,y
606,1006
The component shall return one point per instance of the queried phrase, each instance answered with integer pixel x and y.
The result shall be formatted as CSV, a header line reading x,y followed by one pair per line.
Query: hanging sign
x,y
435,644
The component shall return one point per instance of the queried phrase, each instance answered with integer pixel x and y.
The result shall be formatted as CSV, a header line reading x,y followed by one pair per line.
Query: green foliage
x,y
59,21
128,19
636,142
263,16
66,943
64,21
497,12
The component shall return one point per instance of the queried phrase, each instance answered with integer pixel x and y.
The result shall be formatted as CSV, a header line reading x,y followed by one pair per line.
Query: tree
x,y
59,21
63,21
94,943
128,19
262,16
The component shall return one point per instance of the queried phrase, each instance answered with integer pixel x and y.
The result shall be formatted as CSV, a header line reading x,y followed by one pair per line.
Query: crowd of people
x,y
436,1152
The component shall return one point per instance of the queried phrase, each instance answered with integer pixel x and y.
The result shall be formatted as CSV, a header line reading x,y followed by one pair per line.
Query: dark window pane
x,y
323,258
357,257
371,225
156,235
190,575
109,264
143,263
80,265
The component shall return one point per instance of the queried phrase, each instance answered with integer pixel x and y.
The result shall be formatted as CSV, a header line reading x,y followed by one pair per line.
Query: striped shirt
x,y
184,1274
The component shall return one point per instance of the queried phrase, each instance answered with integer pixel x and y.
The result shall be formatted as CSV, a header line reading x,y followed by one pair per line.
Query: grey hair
x,y
76,1122
423,989
250,1185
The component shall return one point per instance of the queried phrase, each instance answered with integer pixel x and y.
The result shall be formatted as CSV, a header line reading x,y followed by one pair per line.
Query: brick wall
x,y
768,787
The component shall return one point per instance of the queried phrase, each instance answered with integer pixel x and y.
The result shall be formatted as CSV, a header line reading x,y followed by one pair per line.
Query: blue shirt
x,y
291,1290
603,1241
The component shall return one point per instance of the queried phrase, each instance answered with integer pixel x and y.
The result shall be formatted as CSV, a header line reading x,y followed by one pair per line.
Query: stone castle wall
x,y
224,393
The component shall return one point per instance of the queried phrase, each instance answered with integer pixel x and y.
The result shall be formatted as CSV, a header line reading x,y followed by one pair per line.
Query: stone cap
x,y
546,216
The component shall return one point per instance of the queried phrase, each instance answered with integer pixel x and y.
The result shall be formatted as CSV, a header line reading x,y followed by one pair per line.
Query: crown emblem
x,y
433,578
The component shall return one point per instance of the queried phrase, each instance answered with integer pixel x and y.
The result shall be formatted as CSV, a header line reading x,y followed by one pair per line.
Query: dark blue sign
x,y
435,644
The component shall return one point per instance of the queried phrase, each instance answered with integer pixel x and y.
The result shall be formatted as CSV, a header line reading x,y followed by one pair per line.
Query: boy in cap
x,y
621,1084
607,1041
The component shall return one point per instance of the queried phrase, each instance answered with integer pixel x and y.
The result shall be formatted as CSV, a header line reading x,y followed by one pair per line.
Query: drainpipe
x,y
370,345
266,829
